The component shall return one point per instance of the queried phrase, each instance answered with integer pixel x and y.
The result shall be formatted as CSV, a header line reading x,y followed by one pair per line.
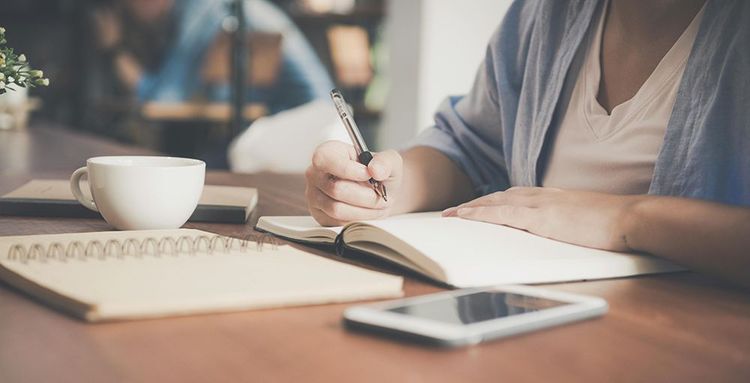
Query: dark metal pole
x,y
239,66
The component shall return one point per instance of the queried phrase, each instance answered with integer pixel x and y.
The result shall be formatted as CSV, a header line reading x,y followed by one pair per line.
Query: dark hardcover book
x,y
52,198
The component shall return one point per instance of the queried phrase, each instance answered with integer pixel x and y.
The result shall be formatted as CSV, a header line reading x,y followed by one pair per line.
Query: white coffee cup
x,y
141,192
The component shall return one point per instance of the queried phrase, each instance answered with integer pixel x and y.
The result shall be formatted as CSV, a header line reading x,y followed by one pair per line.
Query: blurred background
x,y
176,76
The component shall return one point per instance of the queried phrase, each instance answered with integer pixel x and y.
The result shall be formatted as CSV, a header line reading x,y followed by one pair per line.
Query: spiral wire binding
x,y
166,246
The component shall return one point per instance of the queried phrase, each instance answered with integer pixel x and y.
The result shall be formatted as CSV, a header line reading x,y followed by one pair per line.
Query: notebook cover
x,y
52,198
137,274
34,207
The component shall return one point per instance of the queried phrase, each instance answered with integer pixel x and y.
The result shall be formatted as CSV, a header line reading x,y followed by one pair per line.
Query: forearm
x,y
128,69
431,181
705,236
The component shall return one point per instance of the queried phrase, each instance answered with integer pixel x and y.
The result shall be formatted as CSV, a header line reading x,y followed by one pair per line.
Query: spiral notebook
x,y
465,253
155,273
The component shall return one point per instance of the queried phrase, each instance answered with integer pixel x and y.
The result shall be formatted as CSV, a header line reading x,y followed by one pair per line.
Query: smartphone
x,y
470,316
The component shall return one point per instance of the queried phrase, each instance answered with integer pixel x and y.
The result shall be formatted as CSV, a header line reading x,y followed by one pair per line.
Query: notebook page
x,y
475,253
304,227
149,285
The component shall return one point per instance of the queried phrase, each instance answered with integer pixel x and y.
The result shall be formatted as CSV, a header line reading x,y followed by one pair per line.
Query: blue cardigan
x,y
497,132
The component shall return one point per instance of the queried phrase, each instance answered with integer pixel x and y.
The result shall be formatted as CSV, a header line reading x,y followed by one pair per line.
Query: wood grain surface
x,y
674,328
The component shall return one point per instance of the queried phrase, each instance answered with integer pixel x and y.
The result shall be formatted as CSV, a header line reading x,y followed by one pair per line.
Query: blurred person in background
x,y
158,49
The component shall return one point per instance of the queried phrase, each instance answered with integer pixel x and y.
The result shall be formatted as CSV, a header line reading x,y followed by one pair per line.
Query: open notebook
x,y
466,253
154,273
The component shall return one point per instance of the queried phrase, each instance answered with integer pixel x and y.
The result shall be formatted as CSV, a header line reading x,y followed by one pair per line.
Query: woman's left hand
x,y
584,218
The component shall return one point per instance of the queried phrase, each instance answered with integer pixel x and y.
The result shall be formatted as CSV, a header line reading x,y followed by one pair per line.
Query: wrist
x,y
400,205
633,222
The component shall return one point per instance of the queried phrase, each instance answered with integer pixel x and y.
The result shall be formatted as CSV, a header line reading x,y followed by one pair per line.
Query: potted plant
x,y
16,76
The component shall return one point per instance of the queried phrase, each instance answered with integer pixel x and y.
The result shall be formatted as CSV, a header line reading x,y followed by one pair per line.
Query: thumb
x,y
385,164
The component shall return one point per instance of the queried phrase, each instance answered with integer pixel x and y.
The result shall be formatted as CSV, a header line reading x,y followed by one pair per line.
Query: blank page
x,y
475,253
305,228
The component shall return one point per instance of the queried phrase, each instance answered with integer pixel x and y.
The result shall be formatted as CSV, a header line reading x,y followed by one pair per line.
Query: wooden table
x,y
682,327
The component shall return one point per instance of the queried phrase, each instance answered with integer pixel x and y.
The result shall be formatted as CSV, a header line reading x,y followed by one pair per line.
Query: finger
x,y
527,197
358,193
340,211
318,214
520,217
385,164
485,200
338,159
353,193
450,212
323,219
496,198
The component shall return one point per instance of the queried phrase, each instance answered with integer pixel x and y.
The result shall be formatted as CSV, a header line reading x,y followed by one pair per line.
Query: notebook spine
x,y
338,245
130,247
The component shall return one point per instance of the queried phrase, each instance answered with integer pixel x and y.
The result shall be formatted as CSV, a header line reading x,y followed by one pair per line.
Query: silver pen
x,y
363,154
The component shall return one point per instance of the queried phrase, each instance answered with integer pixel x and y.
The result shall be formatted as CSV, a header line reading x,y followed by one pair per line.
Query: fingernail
x,y
447,212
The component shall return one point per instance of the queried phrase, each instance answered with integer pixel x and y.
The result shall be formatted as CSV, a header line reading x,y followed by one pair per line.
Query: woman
x,y
619,125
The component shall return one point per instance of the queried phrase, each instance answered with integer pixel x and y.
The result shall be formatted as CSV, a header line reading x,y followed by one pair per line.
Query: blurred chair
x,y
264,53
350,53
284,142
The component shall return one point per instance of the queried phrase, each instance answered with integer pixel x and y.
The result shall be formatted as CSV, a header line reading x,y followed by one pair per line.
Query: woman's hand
x,y
703,235
338,190
584,218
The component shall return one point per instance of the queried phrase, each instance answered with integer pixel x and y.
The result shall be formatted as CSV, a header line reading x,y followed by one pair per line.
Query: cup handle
x,y
75,187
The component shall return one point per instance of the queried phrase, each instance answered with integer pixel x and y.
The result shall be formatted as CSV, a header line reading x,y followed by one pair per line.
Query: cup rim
x,y
179,162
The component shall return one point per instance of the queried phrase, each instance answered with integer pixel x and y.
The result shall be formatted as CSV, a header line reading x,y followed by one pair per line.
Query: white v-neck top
x,y
615,153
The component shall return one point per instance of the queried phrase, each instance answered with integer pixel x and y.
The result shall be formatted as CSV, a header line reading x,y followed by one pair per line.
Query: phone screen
x,y
476,307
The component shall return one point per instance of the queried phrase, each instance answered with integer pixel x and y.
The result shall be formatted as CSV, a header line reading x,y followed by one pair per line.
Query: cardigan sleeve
x,y
475,130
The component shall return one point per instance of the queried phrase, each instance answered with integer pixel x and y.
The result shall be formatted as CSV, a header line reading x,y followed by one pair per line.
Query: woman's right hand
x,y
338,190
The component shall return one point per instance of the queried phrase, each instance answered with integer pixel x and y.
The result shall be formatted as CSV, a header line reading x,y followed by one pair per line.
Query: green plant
x,y
15,70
